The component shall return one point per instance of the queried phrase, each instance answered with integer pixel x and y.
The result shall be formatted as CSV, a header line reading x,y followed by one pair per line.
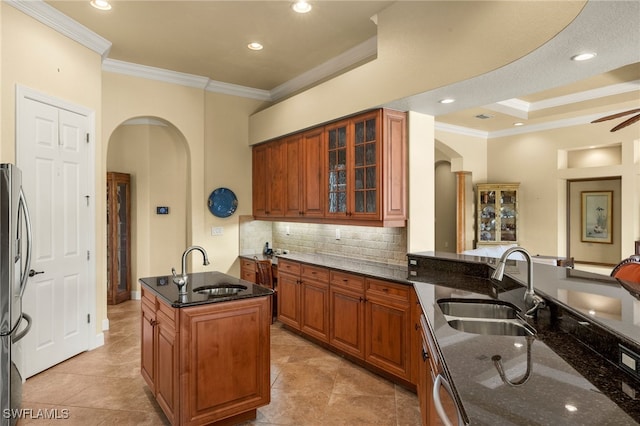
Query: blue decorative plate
x,y
222,202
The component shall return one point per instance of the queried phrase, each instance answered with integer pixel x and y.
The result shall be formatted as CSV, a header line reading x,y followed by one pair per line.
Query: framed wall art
x,y
596,213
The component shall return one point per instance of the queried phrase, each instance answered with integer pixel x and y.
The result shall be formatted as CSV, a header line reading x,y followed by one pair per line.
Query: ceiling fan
x,y
625,123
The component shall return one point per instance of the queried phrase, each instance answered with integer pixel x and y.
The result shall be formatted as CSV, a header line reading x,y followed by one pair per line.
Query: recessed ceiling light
x,y
101,4
583,56
519,123
571,408
301,6
254,46
447,101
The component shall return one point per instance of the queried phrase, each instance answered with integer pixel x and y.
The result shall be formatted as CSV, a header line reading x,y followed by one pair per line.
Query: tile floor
x,y
310,386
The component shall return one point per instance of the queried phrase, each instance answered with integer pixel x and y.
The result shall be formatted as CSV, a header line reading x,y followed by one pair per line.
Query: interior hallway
x,y
309,385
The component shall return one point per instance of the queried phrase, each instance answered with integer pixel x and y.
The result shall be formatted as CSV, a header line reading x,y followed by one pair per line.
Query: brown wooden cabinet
x,y
352,171
314,296
225,368
269,179
303,293
346,330
429,368
366,174
365,318
207,363
248,270
387,325
118,237
159,352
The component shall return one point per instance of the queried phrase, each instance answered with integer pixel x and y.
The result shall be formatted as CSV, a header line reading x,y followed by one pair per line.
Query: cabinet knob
x,y
153,322
425,355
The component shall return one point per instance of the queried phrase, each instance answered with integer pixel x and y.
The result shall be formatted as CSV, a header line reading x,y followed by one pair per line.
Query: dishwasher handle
x,y
442,382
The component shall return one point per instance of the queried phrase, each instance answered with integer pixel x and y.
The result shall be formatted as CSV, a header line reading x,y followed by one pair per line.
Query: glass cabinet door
x,y
365,166
508,224
337,173
487,219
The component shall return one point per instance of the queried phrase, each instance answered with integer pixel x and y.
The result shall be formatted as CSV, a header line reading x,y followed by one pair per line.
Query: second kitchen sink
x,y
483,316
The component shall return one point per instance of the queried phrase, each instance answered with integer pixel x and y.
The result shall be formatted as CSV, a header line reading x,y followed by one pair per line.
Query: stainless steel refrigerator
x,y
15,258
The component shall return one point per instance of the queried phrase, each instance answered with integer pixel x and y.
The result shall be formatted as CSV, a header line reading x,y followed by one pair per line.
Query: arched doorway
x,y
155,154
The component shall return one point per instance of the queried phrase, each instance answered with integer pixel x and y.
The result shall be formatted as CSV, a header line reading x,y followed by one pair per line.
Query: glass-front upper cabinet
x,y
337,135
497,214
119,237
365,167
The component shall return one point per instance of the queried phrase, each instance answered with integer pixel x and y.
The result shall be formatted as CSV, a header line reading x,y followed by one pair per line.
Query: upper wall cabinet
x,y
352,171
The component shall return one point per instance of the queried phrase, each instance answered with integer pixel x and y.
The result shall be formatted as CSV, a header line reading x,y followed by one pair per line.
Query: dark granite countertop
x,y
163,287
573,356
394,273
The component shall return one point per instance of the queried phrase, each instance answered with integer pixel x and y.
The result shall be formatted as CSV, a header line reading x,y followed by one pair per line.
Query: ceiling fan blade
x,y
618,115
625,123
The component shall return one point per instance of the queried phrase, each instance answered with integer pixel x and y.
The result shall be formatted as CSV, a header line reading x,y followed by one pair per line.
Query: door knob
x,y
33,273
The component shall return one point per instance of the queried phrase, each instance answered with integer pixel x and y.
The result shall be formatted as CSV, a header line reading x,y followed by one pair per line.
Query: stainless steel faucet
x,y
182,279
532,301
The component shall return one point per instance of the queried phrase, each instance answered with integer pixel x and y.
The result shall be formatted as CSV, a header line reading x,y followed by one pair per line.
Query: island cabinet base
x,y
212,365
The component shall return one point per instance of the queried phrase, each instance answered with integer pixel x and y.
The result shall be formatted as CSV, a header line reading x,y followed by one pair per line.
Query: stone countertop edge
x,y
379,270
164,288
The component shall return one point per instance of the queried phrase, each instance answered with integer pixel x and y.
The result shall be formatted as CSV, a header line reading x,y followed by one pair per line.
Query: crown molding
x,y
558,124
61,23
461,130
361,52
153,73
237,90
613,89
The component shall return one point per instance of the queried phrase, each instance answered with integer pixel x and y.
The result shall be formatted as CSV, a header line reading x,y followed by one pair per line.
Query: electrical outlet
x,y
216,231
288,230
337,233
629,360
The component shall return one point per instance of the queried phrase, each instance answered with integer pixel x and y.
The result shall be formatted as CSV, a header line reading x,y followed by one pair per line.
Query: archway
x,y
155,153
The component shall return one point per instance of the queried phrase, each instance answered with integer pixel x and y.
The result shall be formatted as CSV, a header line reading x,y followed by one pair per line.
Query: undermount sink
x,y
220,289
489,317
478,308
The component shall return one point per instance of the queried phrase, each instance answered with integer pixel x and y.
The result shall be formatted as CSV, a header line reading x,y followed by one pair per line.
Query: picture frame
x,y
597,217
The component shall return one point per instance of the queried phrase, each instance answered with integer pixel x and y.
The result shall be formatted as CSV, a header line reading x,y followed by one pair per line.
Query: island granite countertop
x,y
164,288
575,377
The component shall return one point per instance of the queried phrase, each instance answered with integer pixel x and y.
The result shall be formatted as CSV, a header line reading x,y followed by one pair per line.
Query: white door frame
x,y
94,339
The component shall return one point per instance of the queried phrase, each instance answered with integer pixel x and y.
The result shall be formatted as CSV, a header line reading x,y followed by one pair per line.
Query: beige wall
x,y
539,162
35,56
227,157
156,158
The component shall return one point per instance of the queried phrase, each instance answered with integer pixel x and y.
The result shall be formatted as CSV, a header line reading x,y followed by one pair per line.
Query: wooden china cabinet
x,y
118,237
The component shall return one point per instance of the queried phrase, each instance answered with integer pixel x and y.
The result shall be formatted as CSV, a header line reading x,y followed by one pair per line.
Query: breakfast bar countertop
x,y
570,382
163,287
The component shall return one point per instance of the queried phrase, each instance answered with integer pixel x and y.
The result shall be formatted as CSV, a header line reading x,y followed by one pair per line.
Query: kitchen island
x,y
206,354
569,372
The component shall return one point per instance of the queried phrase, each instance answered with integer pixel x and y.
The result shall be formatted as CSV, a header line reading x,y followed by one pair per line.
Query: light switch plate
x,y
217,231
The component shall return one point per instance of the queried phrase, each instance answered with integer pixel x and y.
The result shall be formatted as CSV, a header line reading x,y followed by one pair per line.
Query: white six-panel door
x,y
52,153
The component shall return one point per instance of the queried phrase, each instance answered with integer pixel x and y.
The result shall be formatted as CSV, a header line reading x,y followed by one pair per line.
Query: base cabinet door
x,y
167,362
347,327
387,319
289,300
226,360
148,340
314,301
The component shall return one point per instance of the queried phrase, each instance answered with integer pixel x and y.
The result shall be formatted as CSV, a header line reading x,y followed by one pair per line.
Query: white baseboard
x,y
136,295
105,324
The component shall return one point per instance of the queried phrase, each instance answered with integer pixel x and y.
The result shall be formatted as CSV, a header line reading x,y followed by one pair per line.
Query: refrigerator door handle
x,y
27,262
24,332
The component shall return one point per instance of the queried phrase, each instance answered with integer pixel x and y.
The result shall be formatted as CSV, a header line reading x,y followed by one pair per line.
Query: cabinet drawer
x,y
314,273
248,264
342,279
387,289
288,267
248,275
148,298
168,312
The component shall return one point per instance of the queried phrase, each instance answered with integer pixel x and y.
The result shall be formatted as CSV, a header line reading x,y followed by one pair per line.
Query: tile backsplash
x,y
385,245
